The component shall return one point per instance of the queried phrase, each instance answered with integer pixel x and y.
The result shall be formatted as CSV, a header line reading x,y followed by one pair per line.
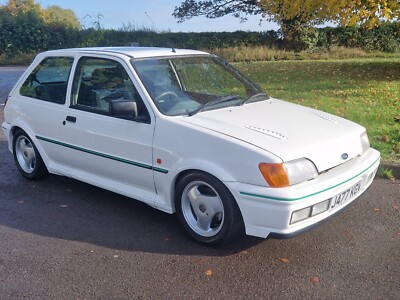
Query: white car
x,y
186,133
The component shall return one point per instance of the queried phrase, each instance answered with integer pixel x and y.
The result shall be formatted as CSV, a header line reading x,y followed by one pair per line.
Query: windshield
x,y
188,85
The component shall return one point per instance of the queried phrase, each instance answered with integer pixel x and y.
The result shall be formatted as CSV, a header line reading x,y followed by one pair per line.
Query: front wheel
x,y
27,158
207,210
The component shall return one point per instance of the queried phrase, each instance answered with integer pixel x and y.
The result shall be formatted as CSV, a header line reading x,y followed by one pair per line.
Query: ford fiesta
x,y
186,133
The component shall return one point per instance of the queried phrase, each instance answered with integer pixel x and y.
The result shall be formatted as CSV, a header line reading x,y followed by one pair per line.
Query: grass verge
x,y
24,59
386,173
261,53
366,91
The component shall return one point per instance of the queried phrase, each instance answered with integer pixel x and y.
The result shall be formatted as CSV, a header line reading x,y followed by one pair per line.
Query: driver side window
x,y
99,81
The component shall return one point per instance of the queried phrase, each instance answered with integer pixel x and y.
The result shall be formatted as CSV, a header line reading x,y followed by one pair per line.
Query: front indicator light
x,y
274,174
288,173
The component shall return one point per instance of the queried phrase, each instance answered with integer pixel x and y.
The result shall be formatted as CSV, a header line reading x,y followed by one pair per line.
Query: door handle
x,y
71,119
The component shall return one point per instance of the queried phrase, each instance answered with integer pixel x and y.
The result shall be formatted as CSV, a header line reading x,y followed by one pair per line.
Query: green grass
x,y
366,91
386,173
262,53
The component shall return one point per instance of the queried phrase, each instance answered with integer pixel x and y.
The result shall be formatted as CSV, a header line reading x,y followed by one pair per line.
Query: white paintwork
x,y
228,143
134,52
304,134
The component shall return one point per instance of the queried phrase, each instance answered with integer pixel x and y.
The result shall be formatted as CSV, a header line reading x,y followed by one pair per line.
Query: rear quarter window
x,y
49,80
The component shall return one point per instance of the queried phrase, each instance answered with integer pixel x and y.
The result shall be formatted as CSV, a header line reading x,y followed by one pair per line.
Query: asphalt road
x,y
62,239
8,77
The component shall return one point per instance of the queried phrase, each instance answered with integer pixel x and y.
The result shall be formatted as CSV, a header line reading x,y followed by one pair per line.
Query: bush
x,y
385,38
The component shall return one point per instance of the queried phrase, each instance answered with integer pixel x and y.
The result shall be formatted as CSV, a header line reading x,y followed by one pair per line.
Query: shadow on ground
x,y
67,209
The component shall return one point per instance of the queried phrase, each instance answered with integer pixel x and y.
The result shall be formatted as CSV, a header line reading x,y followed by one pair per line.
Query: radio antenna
x,y
151,20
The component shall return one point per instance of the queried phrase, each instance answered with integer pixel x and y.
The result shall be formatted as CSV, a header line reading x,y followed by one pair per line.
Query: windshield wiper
x,y
214,102
251,98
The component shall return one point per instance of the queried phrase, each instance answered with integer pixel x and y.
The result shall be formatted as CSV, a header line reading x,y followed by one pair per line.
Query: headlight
x,y
288,173
364,142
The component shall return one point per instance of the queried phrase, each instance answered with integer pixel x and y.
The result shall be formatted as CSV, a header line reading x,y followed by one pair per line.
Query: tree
x,y
22,26
51,15
14,8
296,17
26,27
63,16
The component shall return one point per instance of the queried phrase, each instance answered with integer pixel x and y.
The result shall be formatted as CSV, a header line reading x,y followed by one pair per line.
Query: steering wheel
x,y
167,95
166,100
33,78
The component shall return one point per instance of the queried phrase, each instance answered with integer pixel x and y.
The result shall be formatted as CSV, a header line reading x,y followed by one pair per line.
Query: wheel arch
x,y
221,175
27,156
12,134
22,127
230,207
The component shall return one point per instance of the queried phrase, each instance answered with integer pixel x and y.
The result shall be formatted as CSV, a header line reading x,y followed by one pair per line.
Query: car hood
x,y
287,130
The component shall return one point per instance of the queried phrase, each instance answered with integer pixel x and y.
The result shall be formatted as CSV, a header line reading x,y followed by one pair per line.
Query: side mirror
x,y
124,109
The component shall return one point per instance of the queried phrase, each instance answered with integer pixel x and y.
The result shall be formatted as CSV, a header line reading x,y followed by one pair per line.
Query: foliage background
x,y
25,27
34,35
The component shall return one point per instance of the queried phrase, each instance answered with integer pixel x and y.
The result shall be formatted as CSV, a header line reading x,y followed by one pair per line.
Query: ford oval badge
x,y
345,156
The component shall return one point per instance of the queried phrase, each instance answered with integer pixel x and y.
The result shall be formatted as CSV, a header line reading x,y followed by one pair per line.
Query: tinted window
x,y
49,80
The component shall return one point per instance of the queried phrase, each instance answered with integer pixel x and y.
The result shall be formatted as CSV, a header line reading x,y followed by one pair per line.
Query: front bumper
x,y
268,211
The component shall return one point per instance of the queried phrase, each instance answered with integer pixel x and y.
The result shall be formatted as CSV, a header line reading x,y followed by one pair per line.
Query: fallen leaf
x,y
377,209
201,260
284,260
314,279
395,207
385,138
348,234
208,273
115,256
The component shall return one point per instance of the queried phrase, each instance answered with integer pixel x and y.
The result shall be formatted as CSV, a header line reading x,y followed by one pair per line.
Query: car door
x,y
110,152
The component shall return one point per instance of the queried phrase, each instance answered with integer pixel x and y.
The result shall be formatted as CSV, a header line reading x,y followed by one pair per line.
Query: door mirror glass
x,y
125,109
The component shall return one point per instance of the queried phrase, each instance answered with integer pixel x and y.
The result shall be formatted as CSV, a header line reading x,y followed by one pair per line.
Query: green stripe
x,y
313,194
122,160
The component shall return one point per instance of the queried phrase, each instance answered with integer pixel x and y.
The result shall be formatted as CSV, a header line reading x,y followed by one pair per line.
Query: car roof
x,y
133,52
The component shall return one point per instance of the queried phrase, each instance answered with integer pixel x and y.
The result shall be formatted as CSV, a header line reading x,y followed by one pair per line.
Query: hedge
x,y
16,38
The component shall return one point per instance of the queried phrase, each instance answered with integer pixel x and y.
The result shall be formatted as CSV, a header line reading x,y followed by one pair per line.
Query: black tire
x,y
207,210
27,157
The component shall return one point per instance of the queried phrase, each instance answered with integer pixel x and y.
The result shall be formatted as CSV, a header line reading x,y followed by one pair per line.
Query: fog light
x,y
300,215
320,208
310,211
371,176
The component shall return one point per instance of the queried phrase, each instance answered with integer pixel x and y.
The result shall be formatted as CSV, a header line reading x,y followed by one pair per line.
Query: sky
x,y
153,14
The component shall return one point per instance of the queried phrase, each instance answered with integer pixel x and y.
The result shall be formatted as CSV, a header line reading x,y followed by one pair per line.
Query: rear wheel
x,y
207,210
27,158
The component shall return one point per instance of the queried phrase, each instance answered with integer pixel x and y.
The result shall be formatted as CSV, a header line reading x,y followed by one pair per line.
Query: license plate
x,y
344,196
